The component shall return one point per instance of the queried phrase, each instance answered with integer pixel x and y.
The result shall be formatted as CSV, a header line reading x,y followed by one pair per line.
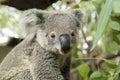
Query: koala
x,y
45,53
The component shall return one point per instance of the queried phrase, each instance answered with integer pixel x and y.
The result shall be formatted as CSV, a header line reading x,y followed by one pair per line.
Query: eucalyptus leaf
x,y
114,25
103,19
118,69
116,36
110,64
76,6
116,7
112,47
98,75
84,70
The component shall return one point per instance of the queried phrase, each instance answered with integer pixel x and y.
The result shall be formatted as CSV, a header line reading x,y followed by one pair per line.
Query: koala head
x,y
55,31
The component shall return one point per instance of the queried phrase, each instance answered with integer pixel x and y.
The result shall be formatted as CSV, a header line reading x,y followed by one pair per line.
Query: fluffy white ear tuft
x,y
30,19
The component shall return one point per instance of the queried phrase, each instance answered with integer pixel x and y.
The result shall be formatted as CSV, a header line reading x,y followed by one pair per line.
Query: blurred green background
x,y
97,55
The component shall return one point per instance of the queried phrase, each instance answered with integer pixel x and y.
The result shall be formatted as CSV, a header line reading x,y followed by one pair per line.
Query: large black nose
x,y
65,43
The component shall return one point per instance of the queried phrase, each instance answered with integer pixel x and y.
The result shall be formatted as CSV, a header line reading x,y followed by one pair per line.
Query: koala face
x,y
56,31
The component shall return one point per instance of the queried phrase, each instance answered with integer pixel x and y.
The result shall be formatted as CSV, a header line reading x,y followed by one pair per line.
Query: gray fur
x,y
38,57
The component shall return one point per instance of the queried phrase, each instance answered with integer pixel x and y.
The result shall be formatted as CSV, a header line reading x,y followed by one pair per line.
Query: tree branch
x,y
28,4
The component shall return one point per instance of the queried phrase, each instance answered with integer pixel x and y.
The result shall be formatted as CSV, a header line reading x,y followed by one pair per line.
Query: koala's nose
x,y
65,42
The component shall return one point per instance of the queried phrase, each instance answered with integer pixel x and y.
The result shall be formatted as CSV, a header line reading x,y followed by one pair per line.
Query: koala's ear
x,y
79,14
31,19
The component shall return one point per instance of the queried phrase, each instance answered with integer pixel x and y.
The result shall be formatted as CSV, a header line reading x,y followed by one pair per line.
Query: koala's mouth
x,y
66,50
65,43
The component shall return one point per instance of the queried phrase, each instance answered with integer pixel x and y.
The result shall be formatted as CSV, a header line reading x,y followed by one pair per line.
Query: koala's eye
x,y
52,35
72,34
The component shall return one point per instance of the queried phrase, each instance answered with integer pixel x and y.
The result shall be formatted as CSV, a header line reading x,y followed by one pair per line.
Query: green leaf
x,y
110,64
116,36
97,5
98,75
114,25
112,47
76,6
84,70
116,7
103,19
118,69
84,0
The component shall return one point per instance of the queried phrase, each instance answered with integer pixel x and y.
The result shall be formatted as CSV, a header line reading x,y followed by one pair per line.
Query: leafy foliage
x,y
98,75
104,16
84,70
9,19
100,32
112,47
